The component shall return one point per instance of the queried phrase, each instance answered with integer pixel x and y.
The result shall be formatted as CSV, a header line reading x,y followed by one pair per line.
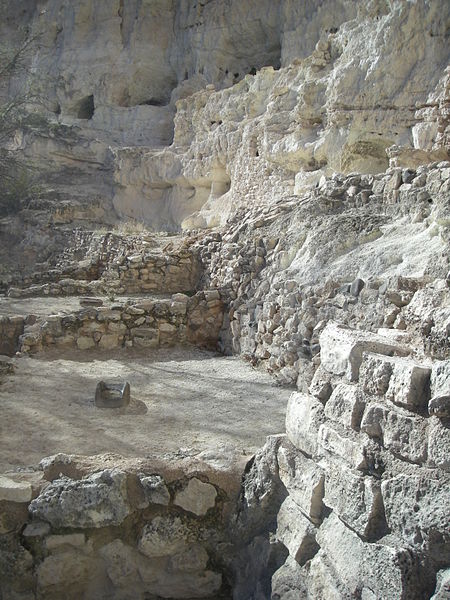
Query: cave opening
x,y
86,108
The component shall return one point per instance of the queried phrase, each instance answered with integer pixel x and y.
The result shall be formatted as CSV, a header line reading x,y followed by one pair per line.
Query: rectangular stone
x,y
348,445
14,491
304,414
379,567
342,349
409,385
303,479
296,532
356,499
402,433
346,406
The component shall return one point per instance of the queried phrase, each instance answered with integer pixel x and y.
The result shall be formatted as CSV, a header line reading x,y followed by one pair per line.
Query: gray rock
x,y
95,501
342,349
417,509
356,499
304,415
296,532
346,406
304,480
401,432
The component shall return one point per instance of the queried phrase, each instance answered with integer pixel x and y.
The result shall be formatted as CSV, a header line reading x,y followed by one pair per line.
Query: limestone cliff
x,y
301,150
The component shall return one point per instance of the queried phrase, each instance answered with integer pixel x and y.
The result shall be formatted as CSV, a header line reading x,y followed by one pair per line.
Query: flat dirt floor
x,y
184,401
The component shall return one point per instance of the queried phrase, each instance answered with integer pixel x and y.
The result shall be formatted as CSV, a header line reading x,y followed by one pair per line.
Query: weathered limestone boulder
x,y
342,349
296,532
379,567
197,497
403,433
416,509
346,406
304,480
356,499
95,501
439,403
304,415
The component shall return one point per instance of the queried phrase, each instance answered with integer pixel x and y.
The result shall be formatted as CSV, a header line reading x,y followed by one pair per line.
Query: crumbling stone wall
x,y
146,323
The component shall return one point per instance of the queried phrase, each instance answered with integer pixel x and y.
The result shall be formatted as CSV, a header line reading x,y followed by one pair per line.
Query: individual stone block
x,y
14,491
304,415
397,430
349,446
438,444
321,385
342,349
439,404
356,499
375,373
197,497
379,567
155,489
417,508
192,558
164,536
112,395
346,406
95,501
296,532
63,570
409,385
304,480
122,563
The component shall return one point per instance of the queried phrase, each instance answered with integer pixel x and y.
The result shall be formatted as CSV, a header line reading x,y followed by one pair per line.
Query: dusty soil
x,y
184,402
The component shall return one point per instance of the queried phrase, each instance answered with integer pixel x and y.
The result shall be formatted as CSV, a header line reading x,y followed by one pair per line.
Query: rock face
x,y
300,152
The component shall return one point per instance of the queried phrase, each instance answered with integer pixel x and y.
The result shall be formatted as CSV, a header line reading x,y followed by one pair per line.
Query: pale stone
x,y
381,568
409,385
304,480
438,444
356,499
349,446
296,532
197,497
418,504
84,342
14,491
401,432
304,414
342,349
345,406
108,341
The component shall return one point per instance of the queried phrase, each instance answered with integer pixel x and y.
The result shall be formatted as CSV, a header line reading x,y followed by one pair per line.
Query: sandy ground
x,y
184,401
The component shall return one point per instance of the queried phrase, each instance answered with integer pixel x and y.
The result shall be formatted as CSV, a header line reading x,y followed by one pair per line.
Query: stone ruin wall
x,y
336,283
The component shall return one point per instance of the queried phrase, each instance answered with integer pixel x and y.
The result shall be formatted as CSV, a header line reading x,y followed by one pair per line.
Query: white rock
x,y
95,501
14,491
197,497
304,480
